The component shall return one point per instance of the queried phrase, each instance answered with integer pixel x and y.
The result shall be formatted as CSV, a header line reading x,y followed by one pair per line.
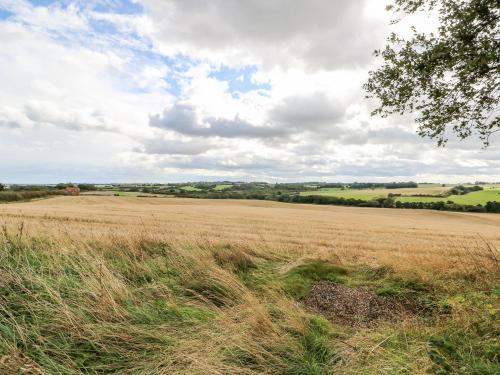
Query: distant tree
x,y
399,185
65,185
87,187
461,190
450,79
2,187
493,206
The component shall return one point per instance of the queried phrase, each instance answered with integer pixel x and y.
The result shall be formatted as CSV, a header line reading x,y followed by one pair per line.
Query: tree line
x,y
388,202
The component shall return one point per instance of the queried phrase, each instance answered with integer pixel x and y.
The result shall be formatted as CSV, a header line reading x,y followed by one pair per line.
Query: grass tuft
x,y
298,281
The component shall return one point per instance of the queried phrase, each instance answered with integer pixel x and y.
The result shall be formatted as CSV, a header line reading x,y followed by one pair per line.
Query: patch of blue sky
x,y
175,75
4,14
103,26
44,3
105,36
178,65
119,6
174,85
173,78
114,6
239,79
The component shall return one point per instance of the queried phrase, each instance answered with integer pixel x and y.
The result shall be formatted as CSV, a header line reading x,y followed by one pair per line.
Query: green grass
x,y
474,198
347,193
123,193
119,193
220,187
489,193
298,281
147,307
190,188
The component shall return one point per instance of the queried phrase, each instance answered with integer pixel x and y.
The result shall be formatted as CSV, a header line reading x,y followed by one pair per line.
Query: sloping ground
x,y
368,194
400,238
473,198
477,197
124,285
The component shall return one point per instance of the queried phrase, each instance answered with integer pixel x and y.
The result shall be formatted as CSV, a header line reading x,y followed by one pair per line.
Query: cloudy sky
x,y
185,90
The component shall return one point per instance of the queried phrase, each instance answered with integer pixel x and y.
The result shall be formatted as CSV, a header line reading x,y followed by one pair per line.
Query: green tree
x,y
87,187
449,79
2,187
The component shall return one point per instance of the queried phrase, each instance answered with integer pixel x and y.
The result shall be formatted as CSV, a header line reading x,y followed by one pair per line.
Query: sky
x,y
174,91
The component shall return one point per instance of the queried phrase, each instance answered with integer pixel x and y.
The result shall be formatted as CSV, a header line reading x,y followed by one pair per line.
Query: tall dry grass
x,y
159,287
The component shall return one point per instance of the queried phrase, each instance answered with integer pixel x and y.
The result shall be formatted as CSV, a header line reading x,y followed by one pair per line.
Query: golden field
x,y
403,238
133,285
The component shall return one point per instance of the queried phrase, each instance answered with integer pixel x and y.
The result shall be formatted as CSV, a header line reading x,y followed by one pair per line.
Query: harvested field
x,y
386,236
130,285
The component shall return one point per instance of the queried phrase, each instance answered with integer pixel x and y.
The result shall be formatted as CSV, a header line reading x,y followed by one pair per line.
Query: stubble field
x,y
165,285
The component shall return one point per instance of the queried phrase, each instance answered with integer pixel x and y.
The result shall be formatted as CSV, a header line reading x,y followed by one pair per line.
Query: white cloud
x,y
106,95
312,34
162,145
72,93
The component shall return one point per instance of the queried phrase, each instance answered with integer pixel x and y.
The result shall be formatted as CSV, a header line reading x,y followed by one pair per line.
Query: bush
x,y
462,190
87,187
13,196
62,186
400,185
493,206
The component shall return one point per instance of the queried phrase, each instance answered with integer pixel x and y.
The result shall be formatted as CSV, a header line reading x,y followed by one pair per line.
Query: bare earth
x,y
401,238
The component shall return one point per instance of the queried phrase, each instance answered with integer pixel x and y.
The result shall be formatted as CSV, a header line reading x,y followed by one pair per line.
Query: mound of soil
x,y
350,305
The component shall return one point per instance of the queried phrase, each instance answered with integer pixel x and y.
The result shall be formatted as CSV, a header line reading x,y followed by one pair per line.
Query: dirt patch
x,y
351,305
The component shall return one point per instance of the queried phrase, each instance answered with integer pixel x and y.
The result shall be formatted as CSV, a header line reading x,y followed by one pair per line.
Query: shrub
x,y
493,206
12,196
87,187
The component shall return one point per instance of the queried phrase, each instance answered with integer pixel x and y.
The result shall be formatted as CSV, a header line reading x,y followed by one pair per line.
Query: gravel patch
x,y
351,305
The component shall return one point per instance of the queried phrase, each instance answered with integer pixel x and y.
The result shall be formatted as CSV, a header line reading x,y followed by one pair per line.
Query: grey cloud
x,y
391,135
387,167
296,166
318,33
237,128
161,146
293,116
40,115
182,119
382,168
9,124
307,112
251,164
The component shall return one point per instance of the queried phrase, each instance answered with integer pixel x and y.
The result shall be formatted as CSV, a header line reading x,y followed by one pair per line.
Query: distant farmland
x,y
368,194
473,198
220,187
490,193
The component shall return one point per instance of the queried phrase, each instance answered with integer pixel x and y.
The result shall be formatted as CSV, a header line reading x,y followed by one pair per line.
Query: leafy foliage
x,y
462,190
87,187
450,78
